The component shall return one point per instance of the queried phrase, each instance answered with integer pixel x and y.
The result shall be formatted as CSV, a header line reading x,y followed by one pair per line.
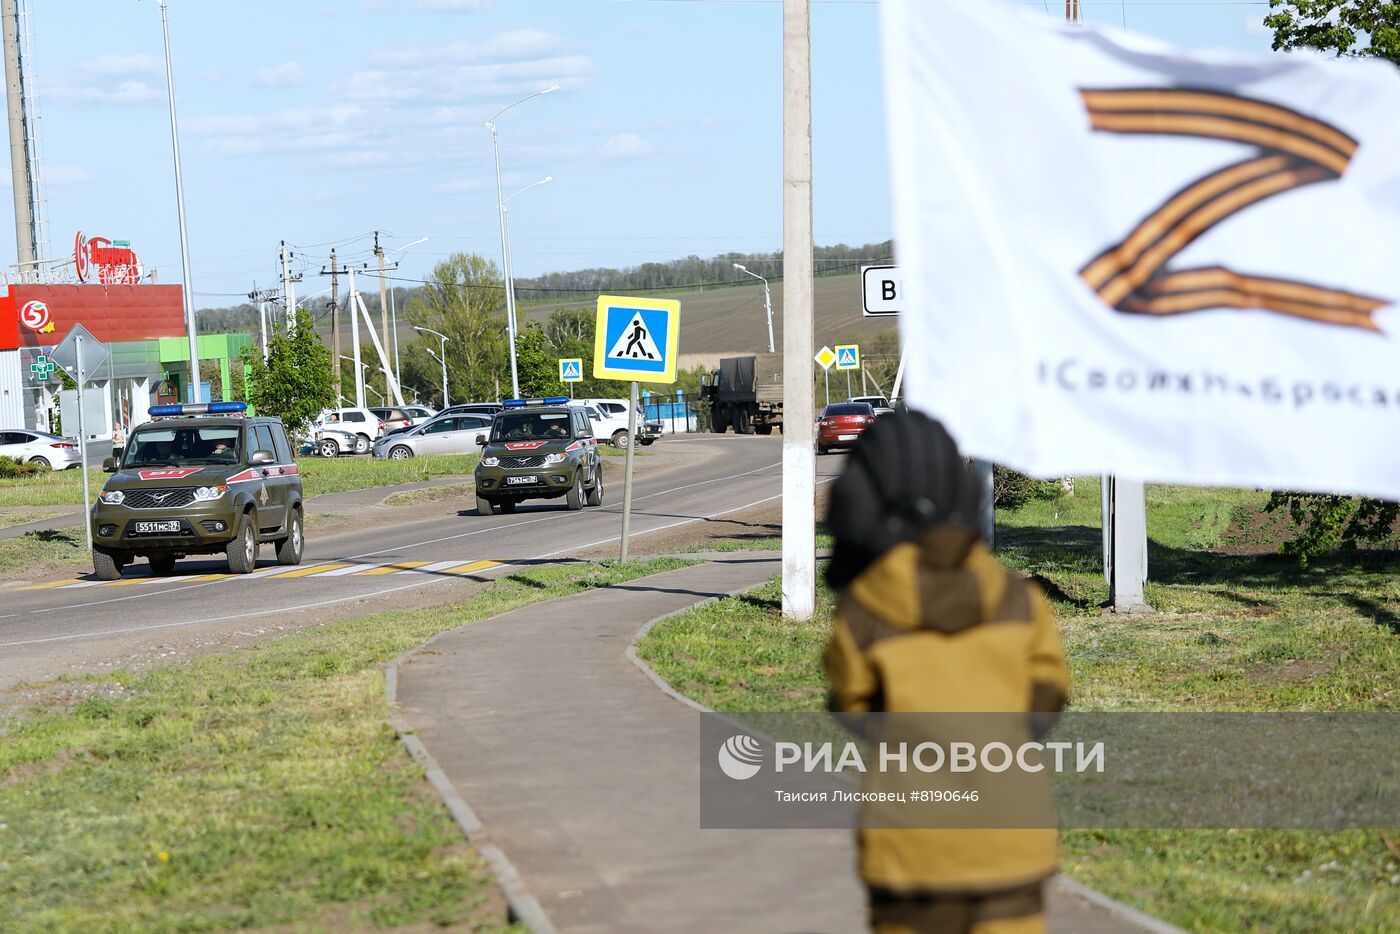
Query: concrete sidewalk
x,y
584,774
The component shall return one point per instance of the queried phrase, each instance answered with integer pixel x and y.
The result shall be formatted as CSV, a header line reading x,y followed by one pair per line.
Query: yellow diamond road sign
x,y
825,358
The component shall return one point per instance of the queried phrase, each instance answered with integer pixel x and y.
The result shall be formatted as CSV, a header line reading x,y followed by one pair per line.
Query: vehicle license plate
x,y
158,526
521,481
845,437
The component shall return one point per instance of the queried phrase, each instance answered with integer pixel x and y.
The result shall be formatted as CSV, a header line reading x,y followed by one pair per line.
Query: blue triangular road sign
x,y
570,370
848,357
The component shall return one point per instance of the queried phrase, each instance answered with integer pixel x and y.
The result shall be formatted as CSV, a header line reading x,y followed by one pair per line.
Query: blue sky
x,y
317,121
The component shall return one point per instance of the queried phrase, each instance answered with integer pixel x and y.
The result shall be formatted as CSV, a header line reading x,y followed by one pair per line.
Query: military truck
x,y
746,394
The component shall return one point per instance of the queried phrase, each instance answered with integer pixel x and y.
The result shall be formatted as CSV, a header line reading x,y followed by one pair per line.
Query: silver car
x,y
39,447
446,434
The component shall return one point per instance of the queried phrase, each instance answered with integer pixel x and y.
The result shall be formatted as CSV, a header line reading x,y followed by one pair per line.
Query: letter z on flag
x,y
1123,257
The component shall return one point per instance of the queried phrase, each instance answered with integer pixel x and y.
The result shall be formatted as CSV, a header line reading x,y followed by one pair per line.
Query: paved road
x,y
64,625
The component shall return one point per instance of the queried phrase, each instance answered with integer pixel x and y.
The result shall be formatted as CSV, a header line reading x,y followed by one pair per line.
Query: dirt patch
x,y
1295,670
1253,531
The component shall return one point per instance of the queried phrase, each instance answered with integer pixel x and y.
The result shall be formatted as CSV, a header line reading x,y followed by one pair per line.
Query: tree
x,y
1363,28
536,366
463,299
296,382
1360,28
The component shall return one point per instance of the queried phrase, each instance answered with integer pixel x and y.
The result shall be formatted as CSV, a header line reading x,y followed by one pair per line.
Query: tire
x,y
242,552
743,423
507,507
483,506
647,442
764,429
718,425
363,444
42,462
161,565
105,566
289,549
574,498
400,452
328,448
620,440
821,449
595,492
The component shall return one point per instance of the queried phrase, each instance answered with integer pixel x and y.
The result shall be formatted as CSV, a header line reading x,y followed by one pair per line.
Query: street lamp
x,y
767,302
394,313
440,359
190,329
505,207
505,248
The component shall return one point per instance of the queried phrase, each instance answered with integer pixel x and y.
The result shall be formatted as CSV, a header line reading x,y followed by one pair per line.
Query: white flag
x,y
1122,257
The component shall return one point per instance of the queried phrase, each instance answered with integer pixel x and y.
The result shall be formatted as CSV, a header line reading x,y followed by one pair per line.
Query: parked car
x,y
419,413
393,418
474,408
39,447
362,422
613,425
880,404
333,441
842,424
446,434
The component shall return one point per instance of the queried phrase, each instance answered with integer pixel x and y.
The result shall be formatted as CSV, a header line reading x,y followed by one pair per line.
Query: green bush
x,y
1012,490
1329,522
11,467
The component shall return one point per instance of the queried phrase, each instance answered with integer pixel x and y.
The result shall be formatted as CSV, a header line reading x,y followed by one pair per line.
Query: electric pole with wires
x,y
335,273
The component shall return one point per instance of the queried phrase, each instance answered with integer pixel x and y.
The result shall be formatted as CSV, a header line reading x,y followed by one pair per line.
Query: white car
x,y
38,447
363,423
450,434
613,423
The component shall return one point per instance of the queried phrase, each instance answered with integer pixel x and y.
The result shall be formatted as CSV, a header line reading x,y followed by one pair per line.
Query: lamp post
x,y
767,303
505,207
363,374
440,359
188,290
394,313
505,248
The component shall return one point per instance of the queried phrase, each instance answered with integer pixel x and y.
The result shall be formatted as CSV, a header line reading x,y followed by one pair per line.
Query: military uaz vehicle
x,y
199,479
539,449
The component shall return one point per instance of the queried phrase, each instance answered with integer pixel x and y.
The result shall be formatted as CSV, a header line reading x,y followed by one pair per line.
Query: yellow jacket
x,y
938,625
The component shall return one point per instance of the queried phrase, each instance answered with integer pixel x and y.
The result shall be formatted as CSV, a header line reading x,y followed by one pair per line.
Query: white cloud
x,y
62,175
291,130
122,93
119,65
460,185
285,75
626,146
514,45
360,158
452,6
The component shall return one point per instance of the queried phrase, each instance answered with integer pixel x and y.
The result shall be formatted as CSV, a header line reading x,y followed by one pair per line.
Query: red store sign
x,y
99,259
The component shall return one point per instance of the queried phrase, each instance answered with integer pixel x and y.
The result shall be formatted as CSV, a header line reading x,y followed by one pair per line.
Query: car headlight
x,y
206,493
490,462
112,497
554,458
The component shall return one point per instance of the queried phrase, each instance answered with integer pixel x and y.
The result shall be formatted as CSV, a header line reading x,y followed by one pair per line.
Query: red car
x,y
842,424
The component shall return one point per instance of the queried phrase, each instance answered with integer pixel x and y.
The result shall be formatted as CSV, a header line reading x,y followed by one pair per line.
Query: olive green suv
x,y
539,450
199,479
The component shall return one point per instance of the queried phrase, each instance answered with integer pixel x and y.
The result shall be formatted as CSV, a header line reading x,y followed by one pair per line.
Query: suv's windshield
x,y
176,447
530,426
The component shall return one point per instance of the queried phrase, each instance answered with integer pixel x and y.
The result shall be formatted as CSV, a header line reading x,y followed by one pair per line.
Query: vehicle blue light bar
x,y
549,400
556,400
199,408
513,403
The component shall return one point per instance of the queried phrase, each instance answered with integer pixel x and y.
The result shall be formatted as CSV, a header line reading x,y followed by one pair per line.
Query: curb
x,y
1123,912
524,907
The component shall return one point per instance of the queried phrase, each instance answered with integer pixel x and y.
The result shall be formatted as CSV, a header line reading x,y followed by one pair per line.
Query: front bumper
x,y
649,431
203,527
551,481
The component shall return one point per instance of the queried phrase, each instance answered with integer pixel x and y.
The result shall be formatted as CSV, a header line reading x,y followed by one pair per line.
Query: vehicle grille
x,y
174,497
515,463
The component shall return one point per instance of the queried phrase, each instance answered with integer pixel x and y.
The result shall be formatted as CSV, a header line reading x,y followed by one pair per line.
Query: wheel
x,y
363,444
574,498
718,425
507,507
161,565
595,492
620,439
105,566
483,506
328,448
764,429
743,424
647,442
242,552
821,449
41,462
290,548
400,452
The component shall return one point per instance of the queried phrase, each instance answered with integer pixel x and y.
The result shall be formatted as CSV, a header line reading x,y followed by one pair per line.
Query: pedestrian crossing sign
x,y
571,370
848,356
637,339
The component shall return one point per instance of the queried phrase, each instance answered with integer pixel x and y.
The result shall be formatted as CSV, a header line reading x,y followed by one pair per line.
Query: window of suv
x,y
178,447
530,426
352,416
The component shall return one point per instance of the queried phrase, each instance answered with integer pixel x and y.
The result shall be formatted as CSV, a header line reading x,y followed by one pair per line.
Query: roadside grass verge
x,y
1235,632
45,550
260,788
319,475
11,519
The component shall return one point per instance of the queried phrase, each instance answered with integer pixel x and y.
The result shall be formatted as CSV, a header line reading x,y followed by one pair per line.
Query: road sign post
x,y
848,359
83,355
638,340
825,358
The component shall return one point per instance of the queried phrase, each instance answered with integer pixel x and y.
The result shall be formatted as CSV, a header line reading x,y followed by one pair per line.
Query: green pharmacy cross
x,y
42,367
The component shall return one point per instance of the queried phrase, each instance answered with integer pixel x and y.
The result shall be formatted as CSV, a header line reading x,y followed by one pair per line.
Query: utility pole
x,y
334,272
289,293
799,402
20,169
188,286
383,293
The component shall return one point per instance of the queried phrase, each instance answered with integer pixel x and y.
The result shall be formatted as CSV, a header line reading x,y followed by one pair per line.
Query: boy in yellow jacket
x,y
929,621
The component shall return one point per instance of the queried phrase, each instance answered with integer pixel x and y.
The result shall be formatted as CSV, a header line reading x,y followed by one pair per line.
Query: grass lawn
x,y
1236,630
319,475
260,788
10,519
37,551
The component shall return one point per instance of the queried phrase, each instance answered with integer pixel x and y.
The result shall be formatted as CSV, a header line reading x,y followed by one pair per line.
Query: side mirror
x,y
481,440
262,457
109,465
